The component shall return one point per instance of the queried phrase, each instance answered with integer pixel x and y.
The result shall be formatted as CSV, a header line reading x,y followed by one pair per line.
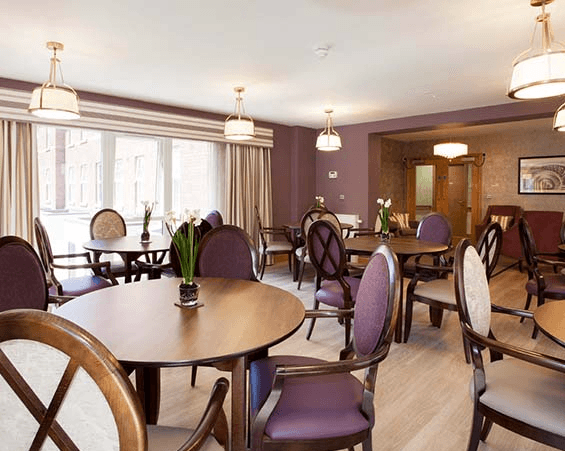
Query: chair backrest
x,y
44,246
505,210
471,288
55,364
331,218
377,303
215,219
529,249
326,250
489,246
227,251
107,223
260,226
435,227
546,227
199,231
308,218
22,277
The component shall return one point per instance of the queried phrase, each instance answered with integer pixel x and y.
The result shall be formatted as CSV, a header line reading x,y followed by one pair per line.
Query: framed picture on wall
x,y
541,175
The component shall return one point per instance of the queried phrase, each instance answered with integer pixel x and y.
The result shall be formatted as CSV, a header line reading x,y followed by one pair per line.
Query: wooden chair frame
x,y
305,222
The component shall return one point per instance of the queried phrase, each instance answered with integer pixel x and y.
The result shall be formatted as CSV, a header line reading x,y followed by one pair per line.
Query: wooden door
x,y
457,199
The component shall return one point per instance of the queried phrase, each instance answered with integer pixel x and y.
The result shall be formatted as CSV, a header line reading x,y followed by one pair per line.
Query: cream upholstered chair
x,y
108,223
524,391
65,390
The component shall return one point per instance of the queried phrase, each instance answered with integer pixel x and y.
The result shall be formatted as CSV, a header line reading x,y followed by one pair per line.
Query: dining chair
x,y
434,227
62,386
522,393
268,247
334,287
74,286
214,218
303,403
22,277
226,251
439,293
544,285
108,223
302,250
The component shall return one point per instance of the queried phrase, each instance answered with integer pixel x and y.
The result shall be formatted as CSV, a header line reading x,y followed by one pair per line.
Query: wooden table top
x,y
129,244
550,318
140,324
404,245
297,225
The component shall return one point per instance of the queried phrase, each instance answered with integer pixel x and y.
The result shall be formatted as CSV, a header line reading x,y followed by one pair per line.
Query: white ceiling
x,y
386,60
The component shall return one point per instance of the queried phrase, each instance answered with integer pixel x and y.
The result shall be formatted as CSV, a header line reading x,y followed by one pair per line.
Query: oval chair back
x,y
215,219
435,227
227,251
107,223
307,219
22,276
489,246
326,250
331,218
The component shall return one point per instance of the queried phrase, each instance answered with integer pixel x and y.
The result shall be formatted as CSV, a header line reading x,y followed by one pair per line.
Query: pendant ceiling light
x,y
238,126
559,119
329,139
539,72
450,150
54,100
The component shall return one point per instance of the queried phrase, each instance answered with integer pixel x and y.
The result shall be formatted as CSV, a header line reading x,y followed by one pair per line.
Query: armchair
x,y
108,223
268,247
523,393
305,404
510,237
65,390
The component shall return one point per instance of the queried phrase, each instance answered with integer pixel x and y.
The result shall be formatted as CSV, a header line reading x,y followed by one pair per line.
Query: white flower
x,y
170,218
145,203
195,215
380,201
388,203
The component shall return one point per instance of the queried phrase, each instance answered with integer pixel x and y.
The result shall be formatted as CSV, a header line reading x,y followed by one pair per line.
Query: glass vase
x,y
188,294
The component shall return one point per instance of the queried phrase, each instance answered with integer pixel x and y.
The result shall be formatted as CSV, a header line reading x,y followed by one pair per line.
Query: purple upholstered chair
x,y
75,286
21,276
522,393
334,287
303,403
227,251
544,285
215,219
439,293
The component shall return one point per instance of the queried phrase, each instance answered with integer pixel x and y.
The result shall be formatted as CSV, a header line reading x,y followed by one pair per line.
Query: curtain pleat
x,y
247,175
19,190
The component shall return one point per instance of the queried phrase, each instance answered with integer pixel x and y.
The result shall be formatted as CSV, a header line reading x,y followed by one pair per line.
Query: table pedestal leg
x,y
148,385
238,405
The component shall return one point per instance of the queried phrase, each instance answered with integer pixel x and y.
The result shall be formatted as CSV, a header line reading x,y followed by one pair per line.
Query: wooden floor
x,y
422,398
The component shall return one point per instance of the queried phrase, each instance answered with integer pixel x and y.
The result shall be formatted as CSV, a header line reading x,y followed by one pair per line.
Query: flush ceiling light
x,y
450,150
54,100
237,126
539,72
329,139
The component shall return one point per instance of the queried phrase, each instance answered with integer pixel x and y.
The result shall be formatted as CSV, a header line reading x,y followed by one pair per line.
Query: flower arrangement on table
x,y
384,214
185,242
148,209
320,202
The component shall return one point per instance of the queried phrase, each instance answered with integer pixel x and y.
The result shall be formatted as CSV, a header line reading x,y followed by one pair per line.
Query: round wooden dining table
x,y
404,247
141,325
550,318
131,247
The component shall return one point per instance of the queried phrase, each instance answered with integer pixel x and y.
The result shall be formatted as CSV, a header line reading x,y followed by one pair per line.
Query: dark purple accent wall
x,y
303,171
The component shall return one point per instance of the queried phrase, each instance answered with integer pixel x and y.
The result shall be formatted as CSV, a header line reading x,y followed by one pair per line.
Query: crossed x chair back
x,y
302,251
268,247
520,390
302,403
439,293
334,287
108,223
63,387
544,285
75,286
22,277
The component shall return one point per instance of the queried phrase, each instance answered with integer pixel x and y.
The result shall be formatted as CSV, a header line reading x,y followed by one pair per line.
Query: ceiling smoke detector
x,y
322,51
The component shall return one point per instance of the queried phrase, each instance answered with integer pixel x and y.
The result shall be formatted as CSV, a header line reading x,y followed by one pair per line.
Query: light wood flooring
x,y
422,397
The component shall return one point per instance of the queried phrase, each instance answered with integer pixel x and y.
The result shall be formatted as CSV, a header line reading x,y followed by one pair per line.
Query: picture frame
x,y
541,175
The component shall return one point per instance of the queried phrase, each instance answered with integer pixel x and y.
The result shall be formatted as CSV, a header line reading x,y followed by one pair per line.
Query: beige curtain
x,y
19,190
246,172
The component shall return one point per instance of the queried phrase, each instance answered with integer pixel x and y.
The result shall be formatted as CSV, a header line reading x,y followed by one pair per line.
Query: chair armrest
x,y
363,232
94,266
213,411
329,313
512,311
549,262
76,255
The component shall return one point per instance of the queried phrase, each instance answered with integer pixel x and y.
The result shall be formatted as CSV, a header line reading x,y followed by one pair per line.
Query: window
x,y
139,183
47,186
98,184
119,185
84,185
71,185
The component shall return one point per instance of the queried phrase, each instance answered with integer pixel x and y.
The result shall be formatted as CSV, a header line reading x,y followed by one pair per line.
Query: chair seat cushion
x,y
161,438
278,247
331,292
554,285
310,408
442,290
536,397
77,286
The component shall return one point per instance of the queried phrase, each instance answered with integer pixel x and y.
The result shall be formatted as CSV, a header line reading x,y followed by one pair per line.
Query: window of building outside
x,y
82,171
